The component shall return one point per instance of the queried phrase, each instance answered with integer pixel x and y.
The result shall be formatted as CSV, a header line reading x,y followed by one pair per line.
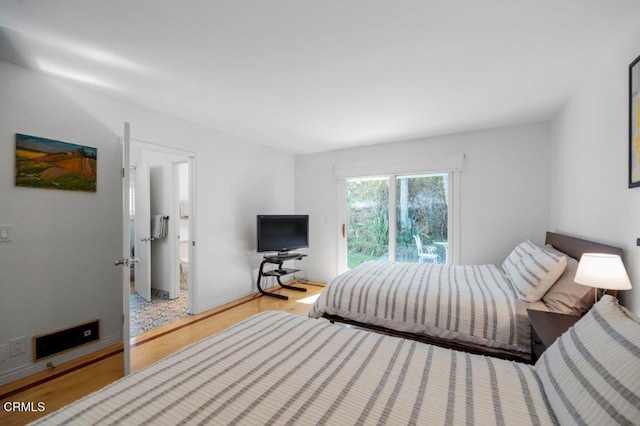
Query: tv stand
x,y
279,272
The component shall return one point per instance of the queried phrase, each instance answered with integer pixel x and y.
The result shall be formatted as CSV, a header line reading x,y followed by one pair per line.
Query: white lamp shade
x,y
602,271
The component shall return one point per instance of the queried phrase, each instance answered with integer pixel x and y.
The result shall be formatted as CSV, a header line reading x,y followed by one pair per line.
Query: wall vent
x,y
53,343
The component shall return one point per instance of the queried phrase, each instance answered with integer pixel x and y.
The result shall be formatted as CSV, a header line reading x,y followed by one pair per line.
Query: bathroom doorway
x,y
165,232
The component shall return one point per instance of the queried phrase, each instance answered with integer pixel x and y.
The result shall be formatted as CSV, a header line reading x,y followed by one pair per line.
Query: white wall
x,y
58,271
504,190
590,194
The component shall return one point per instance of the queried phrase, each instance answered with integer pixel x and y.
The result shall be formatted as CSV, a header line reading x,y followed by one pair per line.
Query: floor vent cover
x,y
59,341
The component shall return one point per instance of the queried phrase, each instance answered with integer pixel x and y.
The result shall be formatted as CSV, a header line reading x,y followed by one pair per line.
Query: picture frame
x,y
52,164
634,123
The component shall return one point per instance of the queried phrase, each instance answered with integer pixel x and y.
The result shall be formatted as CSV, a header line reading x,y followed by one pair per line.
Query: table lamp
x,y
601,270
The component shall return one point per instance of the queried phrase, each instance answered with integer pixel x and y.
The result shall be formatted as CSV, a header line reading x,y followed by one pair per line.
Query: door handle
x,y
344,230
126,261
122,262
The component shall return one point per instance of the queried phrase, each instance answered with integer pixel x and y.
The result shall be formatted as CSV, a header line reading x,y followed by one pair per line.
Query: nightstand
x,y
546,327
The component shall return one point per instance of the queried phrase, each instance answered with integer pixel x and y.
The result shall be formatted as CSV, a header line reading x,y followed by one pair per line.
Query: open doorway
x,y
161,234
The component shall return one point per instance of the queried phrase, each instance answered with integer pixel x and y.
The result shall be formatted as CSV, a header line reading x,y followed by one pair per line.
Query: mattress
x,y
466,303
278,368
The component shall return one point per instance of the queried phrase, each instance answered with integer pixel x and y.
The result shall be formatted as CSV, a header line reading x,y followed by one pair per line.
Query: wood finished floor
x,y
145,350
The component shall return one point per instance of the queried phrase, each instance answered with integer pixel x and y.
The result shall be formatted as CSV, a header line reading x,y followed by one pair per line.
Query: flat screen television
x,y
282,233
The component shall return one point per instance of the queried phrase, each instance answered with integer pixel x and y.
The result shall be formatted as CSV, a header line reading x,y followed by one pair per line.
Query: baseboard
x,y
26,370
216,303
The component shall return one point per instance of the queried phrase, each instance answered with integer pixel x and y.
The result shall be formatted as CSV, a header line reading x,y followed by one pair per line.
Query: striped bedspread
x,y
468,303
278,368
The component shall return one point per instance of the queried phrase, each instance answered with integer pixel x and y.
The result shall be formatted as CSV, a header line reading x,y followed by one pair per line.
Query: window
x,y
367,226
399,217
422,210
403,216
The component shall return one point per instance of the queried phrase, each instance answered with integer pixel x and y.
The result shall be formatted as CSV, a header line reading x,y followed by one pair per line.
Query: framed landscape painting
x,y
50,164
634,124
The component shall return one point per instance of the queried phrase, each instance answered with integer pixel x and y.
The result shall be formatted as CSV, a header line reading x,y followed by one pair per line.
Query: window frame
x,y
451,165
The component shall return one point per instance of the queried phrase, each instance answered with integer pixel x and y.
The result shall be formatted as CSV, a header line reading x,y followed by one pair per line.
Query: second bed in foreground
x,y
278,368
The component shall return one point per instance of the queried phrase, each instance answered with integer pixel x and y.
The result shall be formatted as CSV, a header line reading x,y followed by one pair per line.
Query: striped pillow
x,y
520,250
591,374
532,274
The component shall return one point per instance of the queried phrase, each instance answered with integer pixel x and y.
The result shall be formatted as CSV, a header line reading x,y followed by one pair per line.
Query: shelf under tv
x,y
278,272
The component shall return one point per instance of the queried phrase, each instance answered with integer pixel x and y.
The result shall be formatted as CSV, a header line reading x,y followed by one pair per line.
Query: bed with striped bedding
x,y
476,308
473,305
278,368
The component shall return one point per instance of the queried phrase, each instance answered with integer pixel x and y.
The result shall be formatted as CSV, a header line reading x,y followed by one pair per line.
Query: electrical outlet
x,y
5,233
4,353
17,346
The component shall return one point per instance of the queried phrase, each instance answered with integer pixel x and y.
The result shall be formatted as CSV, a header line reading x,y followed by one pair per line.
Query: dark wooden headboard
x,y
575,247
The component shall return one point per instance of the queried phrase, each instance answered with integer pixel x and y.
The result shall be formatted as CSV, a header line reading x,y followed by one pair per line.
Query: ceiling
x,y
307,76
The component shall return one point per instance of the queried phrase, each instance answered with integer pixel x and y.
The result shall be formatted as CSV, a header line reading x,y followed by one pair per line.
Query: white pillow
x,y
565,296
532,274
519,251
591,374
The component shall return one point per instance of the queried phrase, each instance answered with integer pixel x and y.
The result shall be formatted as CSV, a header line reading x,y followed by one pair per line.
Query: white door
x,y
126,241
363,201
142,245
